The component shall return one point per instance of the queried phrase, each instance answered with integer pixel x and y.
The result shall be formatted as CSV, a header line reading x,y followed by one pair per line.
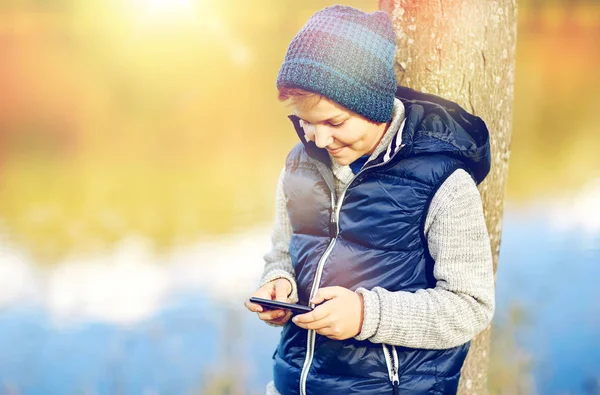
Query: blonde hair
x,y
299,96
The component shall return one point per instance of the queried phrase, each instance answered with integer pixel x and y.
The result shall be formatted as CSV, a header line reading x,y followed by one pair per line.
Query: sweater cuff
x,y
370,314
279,273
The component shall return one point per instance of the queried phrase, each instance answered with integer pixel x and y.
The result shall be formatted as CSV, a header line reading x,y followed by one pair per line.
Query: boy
x,y
379,223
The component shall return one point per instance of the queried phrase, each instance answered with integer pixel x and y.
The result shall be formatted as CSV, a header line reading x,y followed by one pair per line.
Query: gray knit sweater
x,y
462,303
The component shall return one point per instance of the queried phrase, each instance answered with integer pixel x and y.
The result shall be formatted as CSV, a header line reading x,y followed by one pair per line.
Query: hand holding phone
x,y
275,304
277,290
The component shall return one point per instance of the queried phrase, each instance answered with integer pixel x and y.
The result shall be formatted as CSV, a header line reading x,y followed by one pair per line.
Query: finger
x,y
267,291
317,314
263,292
271,315
332,333
325,293
316,325
326,331
256,308
282,320
251,306
282,289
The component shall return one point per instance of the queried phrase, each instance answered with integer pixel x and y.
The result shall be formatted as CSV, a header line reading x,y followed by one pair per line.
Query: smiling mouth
x,y
336,150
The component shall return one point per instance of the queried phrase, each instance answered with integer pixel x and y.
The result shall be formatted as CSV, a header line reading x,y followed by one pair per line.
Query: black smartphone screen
x,y
274,304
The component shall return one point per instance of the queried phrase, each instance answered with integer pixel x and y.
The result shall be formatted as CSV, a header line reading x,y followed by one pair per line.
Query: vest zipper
x,y
334,224
391,360
310,340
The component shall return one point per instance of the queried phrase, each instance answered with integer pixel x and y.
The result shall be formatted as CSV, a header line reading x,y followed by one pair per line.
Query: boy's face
x,y
346,135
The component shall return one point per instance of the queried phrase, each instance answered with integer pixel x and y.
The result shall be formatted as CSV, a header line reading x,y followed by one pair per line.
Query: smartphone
x,y
275,304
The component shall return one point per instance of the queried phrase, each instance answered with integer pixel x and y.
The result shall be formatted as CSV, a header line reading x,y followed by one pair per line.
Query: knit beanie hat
x,y
347,56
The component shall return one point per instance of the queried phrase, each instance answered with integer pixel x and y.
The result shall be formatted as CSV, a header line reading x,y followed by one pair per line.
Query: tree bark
x,y
465,51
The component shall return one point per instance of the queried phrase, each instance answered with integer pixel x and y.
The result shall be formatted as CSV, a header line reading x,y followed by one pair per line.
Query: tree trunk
x,y
465,51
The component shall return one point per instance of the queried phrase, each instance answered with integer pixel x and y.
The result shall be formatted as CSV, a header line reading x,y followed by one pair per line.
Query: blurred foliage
x,y
159,118
120,118
510,371
557,99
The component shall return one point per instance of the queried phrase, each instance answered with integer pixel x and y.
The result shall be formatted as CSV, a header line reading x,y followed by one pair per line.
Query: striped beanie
x,y
347,56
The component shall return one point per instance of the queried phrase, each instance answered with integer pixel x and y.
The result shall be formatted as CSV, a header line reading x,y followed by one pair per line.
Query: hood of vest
x,y
433,126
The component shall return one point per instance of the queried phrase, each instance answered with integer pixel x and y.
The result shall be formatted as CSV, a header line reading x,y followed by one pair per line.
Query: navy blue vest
x,y
375,240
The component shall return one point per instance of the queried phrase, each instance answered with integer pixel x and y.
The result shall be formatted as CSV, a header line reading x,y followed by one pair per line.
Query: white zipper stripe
x,y
396,377
399,140
388,361
388,153
391,361
393,148
307,361
310,340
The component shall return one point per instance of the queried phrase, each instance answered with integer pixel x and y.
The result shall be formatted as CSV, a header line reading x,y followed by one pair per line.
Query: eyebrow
x,y
335,118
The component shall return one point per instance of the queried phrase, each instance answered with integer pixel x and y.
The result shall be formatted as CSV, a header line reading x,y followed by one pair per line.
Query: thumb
x,y
325,293
282,289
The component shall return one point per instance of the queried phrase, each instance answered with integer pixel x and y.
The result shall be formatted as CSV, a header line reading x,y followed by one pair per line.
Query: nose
x,y
323,136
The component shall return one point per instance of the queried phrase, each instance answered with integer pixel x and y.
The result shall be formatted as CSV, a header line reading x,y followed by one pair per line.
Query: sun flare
x,y
164,10
166,5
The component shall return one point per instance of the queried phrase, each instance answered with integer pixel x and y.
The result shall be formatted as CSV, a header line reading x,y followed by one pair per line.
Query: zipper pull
x,y
396,383
332,223
332,226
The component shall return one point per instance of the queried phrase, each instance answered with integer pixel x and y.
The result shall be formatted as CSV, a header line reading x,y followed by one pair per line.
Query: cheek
x,y
354,137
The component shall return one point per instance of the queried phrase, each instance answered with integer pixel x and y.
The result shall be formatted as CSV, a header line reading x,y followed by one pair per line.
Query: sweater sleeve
x,y
278,263
462,303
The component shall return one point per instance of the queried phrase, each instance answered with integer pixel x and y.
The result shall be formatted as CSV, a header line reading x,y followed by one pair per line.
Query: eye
x,y
336,125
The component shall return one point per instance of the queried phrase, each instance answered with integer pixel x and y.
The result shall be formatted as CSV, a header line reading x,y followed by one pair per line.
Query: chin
x,y
343,161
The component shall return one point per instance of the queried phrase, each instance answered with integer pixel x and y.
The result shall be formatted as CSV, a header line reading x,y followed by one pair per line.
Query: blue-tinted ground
x,y
553,276
193,341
